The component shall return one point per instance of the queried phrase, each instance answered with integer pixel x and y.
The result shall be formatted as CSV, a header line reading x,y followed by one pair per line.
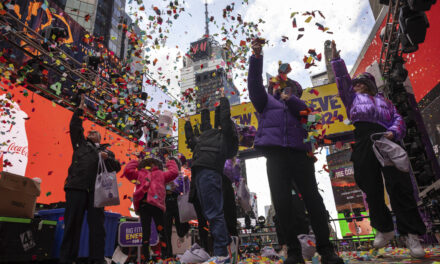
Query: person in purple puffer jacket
x,y
280,137
371,112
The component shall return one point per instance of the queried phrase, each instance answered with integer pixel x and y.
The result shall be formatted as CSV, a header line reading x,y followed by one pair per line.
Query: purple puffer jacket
x,y
232,172
279,121
363,107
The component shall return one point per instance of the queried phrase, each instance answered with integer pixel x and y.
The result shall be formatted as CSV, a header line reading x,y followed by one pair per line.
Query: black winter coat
x,y
213,146
82,172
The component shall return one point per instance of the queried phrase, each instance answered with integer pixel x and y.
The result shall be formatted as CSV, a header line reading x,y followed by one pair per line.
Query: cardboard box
x,y
18,195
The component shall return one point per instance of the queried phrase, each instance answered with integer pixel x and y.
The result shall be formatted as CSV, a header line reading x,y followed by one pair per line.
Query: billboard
x,y
325,98
422,65
200,49
35,142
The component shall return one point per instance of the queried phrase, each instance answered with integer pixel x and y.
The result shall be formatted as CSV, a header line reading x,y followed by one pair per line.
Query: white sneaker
x,y
413,244
382,239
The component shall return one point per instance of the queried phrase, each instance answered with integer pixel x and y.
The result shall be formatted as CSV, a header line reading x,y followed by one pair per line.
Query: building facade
x,y
206,71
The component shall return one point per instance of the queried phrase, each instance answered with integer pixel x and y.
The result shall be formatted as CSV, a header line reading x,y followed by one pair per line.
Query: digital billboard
x,y
36,143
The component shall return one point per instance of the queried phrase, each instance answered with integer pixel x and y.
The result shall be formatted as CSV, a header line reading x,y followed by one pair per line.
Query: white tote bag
x,y
186,209
106,187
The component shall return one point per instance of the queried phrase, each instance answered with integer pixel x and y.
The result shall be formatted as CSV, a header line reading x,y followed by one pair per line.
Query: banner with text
x,y
323,97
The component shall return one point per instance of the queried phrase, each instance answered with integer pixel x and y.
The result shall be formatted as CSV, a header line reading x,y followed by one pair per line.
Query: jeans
x,y
209,191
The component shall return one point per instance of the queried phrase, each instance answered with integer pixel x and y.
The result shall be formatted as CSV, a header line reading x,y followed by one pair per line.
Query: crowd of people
x,y
215,170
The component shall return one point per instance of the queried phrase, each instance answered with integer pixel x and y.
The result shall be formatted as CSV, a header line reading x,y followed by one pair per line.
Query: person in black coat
x,y
80,187
210,152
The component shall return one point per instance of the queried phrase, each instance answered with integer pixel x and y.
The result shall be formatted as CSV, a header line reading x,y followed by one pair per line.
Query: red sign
x,y
423,65
36,143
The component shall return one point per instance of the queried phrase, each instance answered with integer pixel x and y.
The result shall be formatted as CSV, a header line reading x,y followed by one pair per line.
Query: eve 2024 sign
x,y
326,99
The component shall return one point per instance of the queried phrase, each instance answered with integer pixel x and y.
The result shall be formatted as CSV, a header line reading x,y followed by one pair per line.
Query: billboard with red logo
x,y
35,142
423,65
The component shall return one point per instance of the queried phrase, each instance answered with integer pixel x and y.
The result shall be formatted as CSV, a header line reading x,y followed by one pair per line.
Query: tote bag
x,y
106,187
186,209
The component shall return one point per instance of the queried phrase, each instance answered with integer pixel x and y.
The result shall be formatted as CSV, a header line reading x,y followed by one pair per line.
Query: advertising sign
x,y
200,49
35,142
347,195
130,234
325,98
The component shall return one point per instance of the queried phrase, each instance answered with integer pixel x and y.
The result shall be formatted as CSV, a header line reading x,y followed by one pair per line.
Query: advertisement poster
x,y
326,98
347,195
35,142
349,198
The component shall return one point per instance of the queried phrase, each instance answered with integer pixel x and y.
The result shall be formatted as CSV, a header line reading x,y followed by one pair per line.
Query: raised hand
x,y
335,52
257,46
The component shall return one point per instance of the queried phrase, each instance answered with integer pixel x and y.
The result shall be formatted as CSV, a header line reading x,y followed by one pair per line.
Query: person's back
x,y
210,152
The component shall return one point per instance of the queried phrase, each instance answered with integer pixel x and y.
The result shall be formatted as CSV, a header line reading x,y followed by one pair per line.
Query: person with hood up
x,y
210,151
371,112
80,189
149,196
280,137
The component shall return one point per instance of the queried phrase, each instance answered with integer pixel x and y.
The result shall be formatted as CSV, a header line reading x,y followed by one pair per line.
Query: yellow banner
x,y
325,97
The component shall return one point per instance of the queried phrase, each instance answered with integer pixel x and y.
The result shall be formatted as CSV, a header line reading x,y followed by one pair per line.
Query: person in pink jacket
x,y
149,196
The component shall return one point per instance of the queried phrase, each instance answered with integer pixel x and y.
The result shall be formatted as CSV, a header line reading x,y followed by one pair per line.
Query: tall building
x,y
102,18
206,70
376,6
82,11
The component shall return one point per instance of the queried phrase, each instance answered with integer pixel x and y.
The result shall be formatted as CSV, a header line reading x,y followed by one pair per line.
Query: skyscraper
x,y
205,70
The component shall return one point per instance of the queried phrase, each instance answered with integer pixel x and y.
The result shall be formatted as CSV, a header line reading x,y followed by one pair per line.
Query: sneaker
x,y
218,260
382,239
294,256
233,249
328,256
195,254
415,248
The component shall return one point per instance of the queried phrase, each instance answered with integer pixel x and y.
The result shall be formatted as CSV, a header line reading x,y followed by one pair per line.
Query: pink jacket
x,y
150,181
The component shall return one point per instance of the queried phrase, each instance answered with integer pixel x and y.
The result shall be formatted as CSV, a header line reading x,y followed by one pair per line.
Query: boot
x,y
294,256
328,256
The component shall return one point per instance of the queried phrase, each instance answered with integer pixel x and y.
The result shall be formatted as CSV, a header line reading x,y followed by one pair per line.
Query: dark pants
x,y
368,176
146,213
209,191
300,218
172,213
202,227
287,168
229,206
77,202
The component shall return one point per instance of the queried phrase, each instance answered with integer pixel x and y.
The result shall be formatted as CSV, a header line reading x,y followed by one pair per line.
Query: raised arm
x,y
206,120
343,79
172,171
189,135
76,129
257,92
131,171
